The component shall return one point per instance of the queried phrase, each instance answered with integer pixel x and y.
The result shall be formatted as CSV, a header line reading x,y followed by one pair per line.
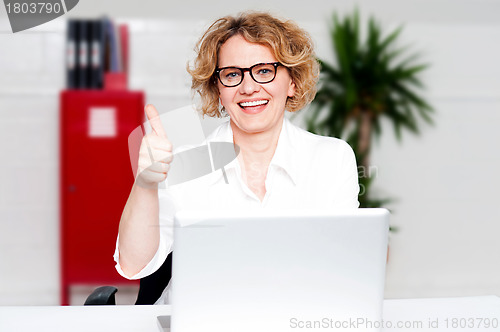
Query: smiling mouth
x,y
255,103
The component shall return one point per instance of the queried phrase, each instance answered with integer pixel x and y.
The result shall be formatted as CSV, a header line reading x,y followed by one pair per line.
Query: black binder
x,y
72,55
97,49
83,54
92,48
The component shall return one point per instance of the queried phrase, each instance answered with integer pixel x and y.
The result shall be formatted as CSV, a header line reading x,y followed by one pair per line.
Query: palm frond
x,y
373,75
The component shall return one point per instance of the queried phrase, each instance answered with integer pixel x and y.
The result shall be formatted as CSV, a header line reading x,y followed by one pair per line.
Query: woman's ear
x,y
291,89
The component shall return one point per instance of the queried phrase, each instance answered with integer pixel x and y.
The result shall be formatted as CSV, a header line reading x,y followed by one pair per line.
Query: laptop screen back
x,y
278,271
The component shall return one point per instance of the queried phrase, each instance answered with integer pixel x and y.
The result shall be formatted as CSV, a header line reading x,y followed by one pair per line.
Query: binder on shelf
x,y
97,54
117,80
83,54
113,48
71,55
124,39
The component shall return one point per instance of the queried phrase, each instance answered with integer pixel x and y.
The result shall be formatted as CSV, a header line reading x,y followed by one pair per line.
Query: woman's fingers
x,y
158,143
155,154
159,167
154,120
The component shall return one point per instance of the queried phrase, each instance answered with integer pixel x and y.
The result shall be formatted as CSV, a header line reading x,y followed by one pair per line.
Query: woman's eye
x,y
265,71
230,73
233,74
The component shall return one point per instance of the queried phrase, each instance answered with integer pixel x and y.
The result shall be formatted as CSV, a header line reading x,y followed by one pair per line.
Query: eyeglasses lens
x,y
262,73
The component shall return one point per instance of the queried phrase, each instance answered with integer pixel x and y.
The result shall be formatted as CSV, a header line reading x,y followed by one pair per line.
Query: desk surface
x,y
143,318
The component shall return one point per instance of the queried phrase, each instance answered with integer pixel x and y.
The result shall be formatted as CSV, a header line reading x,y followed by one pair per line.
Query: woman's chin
x,y
255,129
251,127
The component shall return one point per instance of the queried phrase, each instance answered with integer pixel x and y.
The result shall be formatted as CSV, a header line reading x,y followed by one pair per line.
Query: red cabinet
x,y
96,178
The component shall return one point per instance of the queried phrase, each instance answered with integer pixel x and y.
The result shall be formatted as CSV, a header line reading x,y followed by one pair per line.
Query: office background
x,y
444,183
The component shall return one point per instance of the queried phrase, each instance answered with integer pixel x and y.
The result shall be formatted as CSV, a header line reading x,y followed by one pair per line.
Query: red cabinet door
x,y
96,179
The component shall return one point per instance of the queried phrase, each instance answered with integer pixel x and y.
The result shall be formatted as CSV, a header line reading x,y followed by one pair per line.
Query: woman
x,y
252,68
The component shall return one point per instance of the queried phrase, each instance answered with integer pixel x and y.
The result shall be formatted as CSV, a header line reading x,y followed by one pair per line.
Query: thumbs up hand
x,y
155,153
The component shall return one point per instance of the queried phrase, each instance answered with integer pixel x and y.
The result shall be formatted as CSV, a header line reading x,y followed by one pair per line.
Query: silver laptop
x,y
278,270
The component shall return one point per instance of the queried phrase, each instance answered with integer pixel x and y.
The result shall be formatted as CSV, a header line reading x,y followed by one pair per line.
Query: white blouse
x,y
307,171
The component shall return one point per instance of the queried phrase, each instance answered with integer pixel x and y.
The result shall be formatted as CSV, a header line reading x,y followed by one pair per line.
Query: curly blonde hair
x,y
290,45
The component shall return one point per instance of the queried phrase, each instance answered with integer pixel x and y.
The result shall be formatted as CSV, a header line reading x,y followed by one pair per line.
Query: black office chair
x,y
150,288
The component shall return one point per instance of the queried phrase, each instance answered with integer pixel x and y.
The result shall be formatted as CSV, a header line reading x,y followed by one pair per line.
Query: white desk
x,y
125,318
143,318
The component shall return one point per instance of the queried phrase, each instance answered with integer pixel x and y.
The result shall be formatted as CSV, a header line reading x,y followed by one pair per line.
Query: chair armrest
x,y
152,286
104,295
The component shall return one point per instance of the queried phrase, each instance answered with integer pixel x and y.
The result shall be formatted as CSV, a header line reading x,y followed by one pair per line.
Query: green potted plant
x,y
370,79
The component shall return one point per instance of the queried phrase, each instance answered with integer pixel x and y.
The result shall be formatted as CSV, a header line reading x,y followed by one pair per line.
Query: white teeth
x,y
254,103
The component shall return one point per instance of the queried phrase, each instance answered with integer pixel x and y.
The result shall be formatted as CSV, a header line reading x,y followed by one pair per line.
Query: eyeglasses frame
x,y
249,70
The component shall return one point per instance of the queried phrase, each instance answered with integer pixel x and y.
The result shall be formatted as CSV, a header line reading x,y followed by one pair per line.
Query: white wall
x,y
443,183
429,11
446,181
30,76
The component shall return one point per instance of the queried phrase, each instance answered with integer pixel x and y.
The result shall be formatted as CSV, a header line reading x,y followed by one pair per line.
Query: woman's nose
x,y
248,85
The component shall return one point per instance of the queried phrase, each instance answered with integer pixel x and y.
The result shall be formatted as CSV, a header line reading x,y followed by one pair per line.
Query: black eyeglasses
x,y
260,73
